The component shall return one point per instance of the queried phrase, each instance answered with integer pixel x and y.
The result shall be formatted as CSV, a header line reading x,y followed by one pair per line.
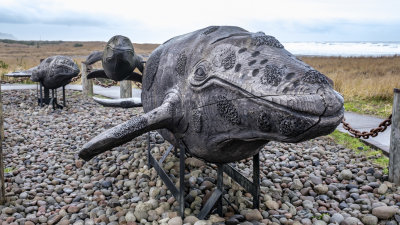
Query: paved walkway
x,y
111,92
357,121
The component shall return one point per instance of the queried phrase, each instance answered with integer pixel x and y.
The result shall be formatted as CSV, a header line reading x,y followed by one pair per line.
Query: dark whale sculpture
x,y
55,71
118,60
224,93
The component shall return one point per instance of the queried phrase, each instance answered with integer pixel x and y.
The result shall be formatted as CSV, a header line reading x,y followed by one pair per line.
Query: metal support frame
x,y
43,95
216,198
177,193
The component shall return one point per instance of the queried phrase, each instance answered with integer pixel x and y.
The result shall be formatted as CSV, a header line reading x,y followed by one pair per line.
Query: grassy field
x,y
366,82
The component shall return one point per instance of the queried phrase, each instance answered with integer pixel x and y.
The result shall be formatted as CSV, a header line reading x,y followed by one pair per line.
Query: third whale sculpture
x,y
119,62
223,93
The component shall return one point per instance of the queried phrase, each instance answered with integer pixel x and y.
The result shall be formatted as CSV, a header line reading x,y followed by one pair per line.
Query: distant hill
x,y
7,36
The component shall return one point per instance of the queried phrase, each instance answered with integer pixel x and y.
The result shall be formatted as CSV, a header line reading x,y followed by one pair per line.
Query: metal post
x,y
148,150
87,84
41,96
63,89
182,182
2,185
394,152
220,179
46,95
125,89
53,99
256,181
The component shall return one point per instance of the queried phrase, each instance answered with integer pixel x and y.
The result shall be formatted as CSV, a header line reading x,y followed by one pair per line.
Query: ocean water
x,y
345,49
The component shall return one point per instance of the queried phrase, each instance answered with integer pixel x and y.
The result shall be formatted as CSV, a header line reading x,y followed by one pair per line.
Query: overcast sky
x,y
147,21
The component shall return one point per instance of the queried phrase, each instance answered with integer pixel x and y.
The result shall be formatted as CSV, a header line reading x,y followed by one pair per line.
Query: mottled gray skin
x,y
224,92
55,71
118,60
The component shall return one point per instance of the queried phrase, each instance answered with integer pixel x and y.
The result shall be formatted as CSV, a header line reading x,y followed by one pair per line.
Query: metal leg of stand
x,y
52,99
41,96
256,181
182,182
220,182
148,150
166,154
63,89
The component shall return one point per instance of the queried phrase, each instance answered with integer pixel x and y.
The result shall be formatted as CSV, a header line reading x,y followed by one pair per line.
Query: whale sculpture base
x,y
252,187
43,95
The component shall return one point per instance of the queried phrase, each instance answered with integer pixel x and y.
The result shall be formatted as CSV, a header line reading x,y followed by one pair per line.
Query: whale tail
x,y
121,103
95,56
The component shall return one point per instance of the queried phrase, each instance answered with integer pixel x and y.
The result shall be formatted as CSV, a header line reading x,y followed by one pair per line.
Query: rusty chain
x,y
372,133
97,82
138,84
75,79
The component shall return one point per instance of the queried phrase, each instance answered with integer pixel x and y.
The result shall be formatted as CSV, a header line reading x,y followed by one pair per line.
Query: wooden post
x,y
87,85
2,185
125,90
394,157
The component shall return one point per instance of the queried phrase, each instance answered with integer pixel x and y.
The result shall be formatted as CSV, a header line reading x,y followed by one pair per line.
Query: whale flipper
x,y
155,119
95,56
121,103
139,64
97,74
133,76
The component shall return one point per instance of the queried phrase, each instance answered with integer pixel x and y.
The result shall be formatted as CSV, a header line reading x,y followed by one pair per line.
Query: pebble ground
x,y
313,182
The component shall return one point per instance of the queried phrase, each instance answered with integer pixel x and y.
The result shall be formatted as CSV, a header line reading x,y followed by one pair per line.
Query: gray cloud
x,y
64,18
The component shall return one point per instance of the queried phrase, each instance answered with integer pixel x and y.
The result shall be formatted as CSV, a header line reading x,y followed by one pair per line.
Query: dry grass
x,y
362,77
22,56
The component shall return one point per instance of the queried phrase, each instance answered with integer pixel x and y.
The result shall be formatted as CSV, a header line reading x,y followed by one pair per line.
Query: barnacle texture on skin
x,y
132,125
261,39
227,110
152,67
196,121
181,64
272,75
264,122
292,126
229,60
210,30
314,77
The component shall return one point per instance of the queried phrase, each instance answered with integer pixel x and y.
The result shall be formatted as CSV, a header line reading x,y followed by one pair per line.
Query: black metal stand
x,y
44,97
252,187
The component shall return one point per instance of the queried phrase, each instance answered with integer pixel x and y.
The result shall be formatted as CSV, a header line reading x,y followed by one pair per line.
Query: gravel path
x,y
314,182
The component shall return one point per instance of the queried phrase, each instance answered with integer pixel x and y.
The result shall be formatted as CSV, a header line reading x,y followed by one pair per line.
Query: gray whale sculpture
x,y
118,60
224,93
54,71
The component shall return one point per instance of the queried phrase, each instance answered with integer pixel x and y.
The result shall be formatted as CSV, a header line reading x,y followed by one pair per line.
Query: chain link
x,y
97,82
75,79
372,133
138,84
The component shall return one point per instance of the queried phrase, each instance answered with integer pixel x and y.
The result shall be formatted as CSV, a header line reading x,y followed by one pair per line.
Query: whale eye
x,y
200,73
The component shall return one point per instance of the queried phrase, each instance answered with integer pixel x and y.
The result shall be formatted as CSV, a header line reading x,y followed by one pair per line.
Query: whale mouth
x,y
309,104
